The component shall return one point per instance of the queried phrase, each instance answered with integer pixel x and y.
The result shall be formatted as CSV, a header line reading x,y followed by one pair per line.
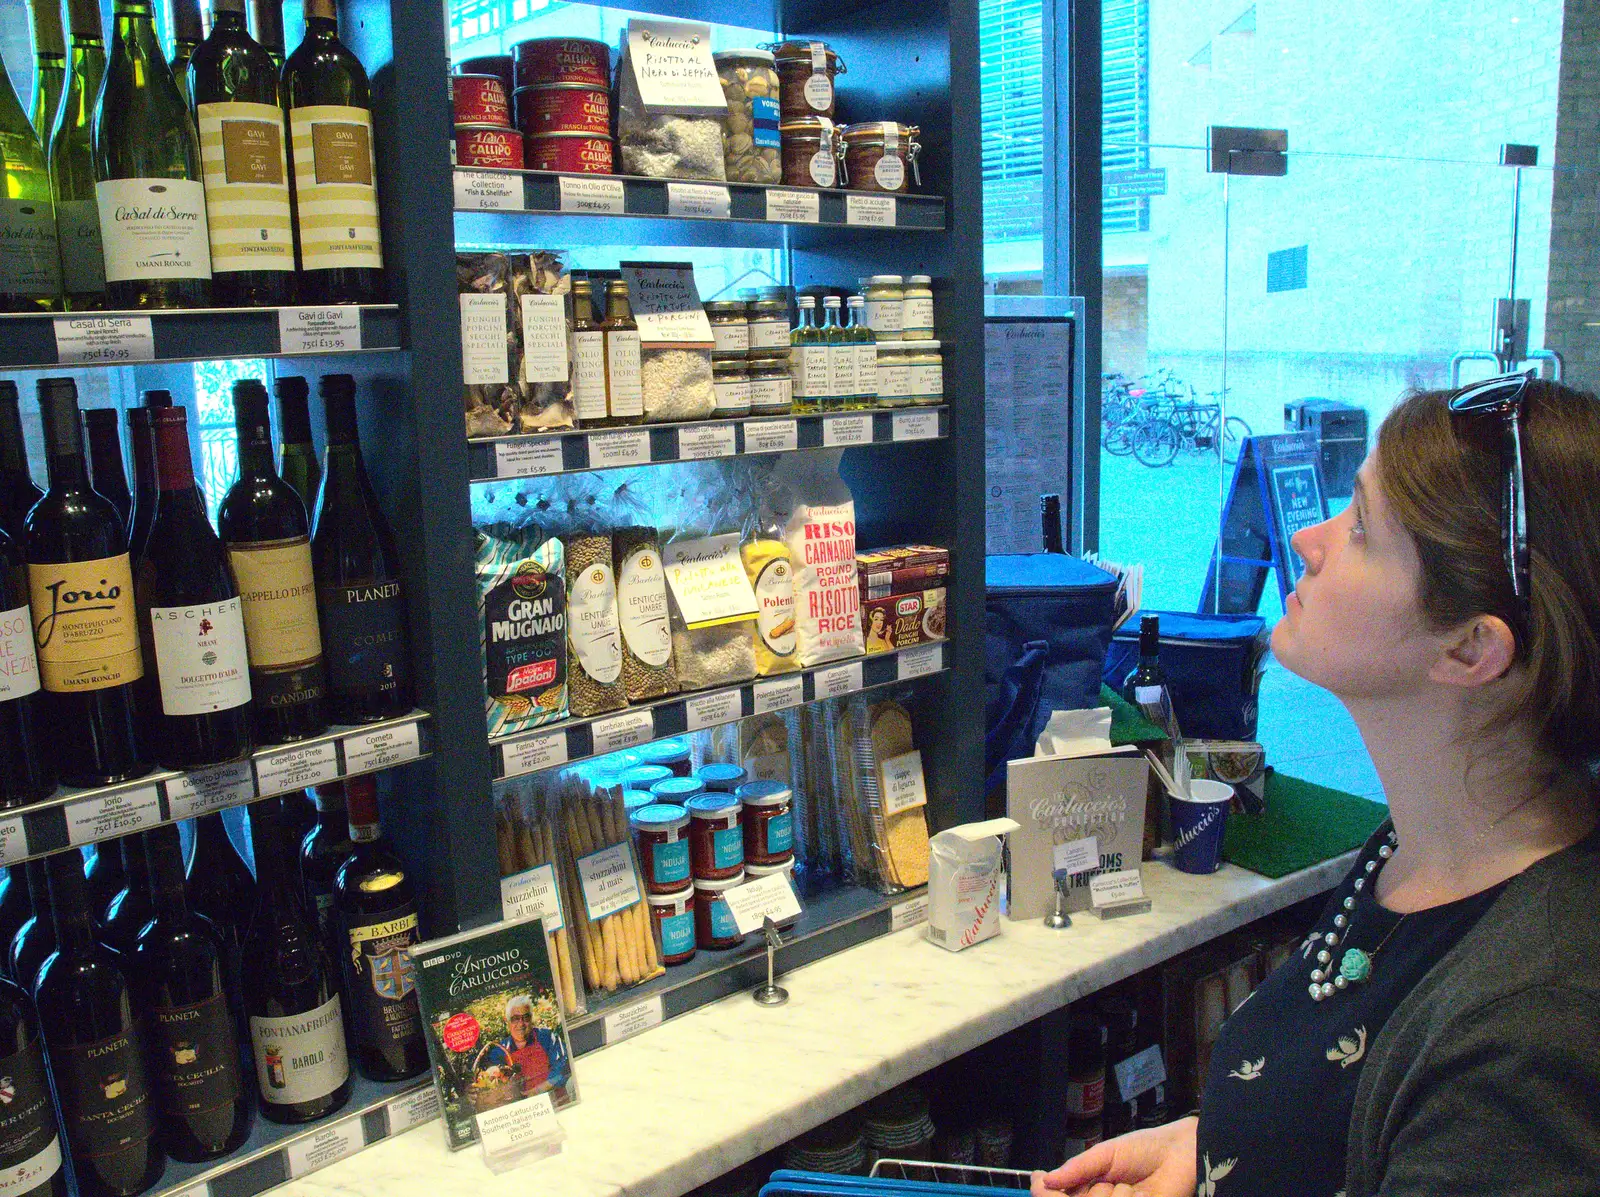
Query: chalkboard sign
x,y
1297,498
1276,491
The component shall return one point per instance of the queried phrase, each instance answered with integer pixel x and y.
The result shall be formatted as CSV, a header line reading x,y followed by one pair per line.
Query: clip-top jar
x,y
716,841
812,152
661,833
672,920
806,71
768,821
881,156
714,928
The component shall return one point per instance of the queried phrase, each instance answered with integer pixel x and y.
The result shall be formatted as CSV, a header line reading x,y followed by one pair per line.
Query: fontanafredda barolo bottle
x,y
49,67
85,624
96,1050
71,152
30,1144
267,536
18,491
147,171
297,455
35,940
290,992
360,596
30,262
202,1101
27,774
329,104
107,473
221,888
187,32
234,85
127,913
325,847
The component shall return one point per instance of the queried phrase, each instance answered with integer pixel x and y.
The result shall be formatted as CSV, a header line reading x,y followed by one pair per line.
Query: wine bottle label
x,y
379,976
30,262
247,186
83,262
336,203
153,229
589,375
301,1057
364,638
19,661
775,598
195,1057
592,622
642,607
201,660
84,624
105,1094
280,604
623,380
30,1149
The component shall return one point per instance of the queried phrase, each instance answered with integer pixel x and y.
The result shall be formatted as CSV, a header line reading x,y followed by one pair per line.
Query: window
x,y
1125,107
212,438
1286,269
1011,57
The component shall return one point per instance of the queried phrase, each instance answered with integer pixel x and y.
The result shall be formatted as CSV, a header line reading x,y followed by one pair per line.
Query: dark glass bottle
x,y
1050,519
86,627
18,491
266,26
326,846
128,912
268,541
105,876
142,440
16,908
299,817
96,1051
291,996
1148,671
27,773
202,1101
1122,1030
109,476
378,926
30,1144
187,32
297,460
36,938
221,888
360,595
192,617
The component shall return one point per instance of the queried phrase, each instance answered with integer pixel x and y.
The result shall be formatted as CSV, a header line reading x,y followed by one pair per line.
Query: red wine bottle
x,y
378,923
221,888
141,437
128,912
18,491
85,625
105,460
193,615
30,1144
104,875
291,997
36,938
202,1101
360,595
268,539
16,908
96,1051
27,774
325,847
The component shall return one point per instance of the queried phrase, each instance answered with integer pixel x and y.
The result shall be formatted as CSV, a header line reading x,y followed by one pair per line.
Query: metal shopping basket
x,y
899,1178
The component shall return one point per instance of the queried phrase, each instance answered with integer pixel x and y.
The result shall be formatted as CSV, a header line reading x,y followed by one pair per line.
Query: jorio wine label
x,y
201,660
153,229
196,1056
30,1149
247,186
104,1093
280,619
19,660
30,263
336,200
84,624
379,976
364,639
300,1057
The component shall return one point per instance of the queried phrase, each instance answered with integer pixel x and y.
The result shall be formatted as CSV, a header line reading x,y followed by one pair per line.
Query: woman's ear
x,y
1476,653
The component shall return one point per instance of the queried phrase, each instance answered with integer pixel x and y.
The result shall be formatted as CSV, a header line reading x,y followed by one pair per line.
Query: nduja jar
x,y
806,71
750,130
771,387
674,754
757,872
925,365
642,777
769,323
812,152
678,790
768,815
716,841
724,779
672,923
730,329
661,834
731,381
714,928
880,156
564,108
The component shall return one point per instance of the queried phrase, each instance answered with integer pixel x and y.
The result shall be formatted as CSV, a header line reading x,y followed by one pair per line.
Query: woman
x,y
1439,1032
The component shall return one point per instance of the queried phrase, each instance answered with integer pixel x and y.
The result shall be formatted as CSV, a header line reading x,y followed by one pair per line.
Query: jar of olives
x,y
750,141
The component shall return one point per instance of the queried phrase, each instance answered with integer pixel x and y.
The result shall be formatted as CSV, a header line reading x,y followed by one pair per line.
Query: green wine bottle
x,y
329,101
235,91
147,171
187,35
30,263
266,26
49,67
83,265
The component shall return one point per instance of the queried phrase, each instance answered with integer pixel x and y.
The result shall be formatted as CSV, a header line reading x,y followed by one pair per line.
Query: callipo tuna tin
x,y
562,60
480,100
575,153
489,145
564,108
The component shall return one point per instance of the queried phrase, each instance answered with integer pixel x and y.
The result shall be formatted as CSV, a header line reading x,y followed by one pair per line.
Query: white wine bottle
x,y
30,263
187,34
147,172
49,67
83,266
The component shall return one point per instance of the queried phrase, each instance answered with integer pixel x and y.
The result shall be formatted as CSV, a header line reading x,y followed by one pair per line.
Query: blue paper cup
x,y
1197,825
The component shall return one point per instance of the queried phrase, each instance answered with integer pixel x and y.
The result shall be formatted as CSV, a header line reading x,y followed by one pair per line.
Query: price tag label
x,y
327,1146
412,1110
904,787
837,681
369,751
104,340
627,1023
607,450
709,710
911,913
622,731
916,425
595,196
1109,889
875,211
480,191
771,436
710,440
103,817
13,840
534,753
608,880
1079,856
514,1128
206,790
533,894
846,430
297,768
707,201
1140,1072
528,459
919,661
779,694
794,207
752,903
319,330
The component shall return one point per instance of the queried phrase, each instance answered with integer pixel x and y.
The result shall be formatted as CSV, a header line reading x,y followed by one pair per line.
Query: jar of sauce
x,y
724,779
806,71
771,386
714,928
786,867
674,754
886,306
672,923
634,800
917,324
769,323
661,833
812,152
768,814
926,371
730,329
730,381
716,841
881,156
677,790
894,376
642,777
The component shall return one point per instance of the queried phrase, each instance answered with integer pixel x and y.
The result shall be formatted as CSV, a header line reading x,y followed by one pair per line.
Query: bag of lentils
x,y
594,635
647,667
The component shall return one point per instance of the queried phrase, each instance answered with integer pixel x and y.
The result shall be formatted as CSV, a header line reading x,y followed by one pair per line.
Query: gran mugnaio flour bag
x,y
964,867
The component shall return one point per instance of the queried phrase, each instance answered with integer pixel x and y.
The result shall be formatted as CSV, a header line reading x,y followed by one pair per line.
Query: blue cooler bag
x,y
1213,668
1046,627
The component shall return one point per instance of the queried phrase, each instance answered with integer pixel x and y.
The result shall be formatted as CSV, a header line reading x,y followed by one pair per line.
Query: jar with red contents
x,y
806,71
725,779
714,928
642,777
674,754
672,919
716,841
768,816
661,834
881,156
678,790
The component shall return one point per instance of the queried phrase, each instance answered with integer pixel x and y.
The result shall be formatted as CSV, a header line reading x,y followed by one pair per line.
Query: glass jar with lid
x,y
769,321
806,71
730,330
886,300
926,370
771,387
917,323
731,380
812,152
894,376
880,156
750,141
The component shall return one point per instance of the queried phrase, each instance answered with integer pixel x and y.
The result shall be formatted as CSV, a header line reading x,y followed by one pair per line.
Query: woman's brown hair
x,y
1441,474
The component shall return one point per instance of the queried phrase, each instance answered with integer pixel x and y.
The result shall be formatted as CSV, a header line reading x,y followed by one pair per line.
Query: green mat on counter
x,y
1305,824
1128,726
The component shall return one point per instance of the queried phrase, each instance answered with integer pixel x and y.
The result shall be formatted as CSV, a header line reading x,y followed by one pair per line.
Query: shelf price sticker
x,y
752,903
104,340
709,710
203,1189
837,681
794,207
873,211
630,1021
1110,889
609,882
296,768
911,913
207,790
602,197
779,694
528,459
771,436
480,191
13,840
533,893
369,751
412,1110
319,330
1140,1072
607,450
534,753
846,430
707,441
627,730
916,425
104,816
708,201
323,1147
919,661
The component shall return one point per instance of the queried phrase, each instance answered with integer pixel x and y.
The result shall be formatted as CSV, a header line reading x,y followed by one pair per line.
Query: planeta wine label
x,y
195,1056
30,263
300,1057
336,198
153,229
104,1094
280,619
246,175
84,624
364,639
30,1148
380,978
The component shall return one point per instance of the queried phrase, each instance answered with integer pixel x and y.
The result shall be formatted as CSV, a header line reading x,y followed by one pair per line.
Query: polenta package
x,y
771,571
522,619
819,526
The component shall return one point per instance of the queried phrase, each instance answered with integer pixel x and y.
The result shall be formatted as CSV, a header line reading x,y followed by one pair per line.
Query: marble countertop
x,y
857,1024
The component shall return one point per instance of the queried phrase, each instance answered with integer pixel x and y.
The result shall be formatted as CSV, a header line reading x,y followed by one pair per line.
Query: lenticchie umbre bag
x,y
647,667
594,635
820,529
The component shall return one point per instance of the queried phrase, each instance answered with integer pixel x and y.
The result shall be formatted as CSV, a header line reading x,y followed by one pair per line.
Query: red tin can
x,y
480,100
488,145
564,108
498,65
562,60
575,153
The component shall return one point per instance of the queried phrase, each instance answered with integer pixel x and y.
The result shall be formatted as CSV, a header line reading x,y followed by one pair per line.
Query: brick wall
x,y
1575,209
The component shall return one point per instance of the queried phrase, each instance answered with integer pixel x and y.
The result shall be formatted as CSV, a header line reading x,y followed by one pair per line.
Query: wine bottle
x,y
26,772
35,940
334,172
291,996
49,67
325,847
30,261
187,34
1050,523
109,476
96,1051
30,1142
147,166
267,535
235,89
297,459
128,912
360,596
16,908
378,924
221,888
18,491
104,874
266,26
85,624
71,153
141,443
299,817
202,1102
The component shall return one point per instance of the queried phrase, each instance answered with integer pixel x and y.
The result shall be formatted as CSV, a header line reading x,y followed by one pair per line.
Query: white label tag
x,y
709,710
837,681
485,359
319,330
379,749
771,436
708,201
673,68
100,818
591,195
1079,856
666,303
625,1024
412,1110
919,661
1140,1072
480,191
608,880
910,913
513,1129
323,1147
709,581
610,449
296,768
206,790
916,425
104,340
544,338
846,430
706,441
876,211
752,903
13,840
796,207
627,730
1123,885
533,893
528,459
779,694
904,787
534,753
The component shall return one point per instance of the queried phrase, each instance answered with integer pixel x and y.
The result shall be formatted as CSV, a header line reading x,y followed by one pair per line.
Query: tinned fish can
x,y
489,145
498,65
562,60
480,100
575,153
564,108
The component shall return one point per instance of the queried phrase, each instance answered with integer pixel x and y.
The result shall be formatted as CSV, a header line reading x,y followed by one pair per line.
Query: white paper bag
x,y
964,870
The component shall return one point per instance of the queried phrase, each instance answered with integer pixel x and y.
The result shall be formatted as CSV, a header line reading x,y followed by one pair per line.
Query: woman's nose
x,y
1308,543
